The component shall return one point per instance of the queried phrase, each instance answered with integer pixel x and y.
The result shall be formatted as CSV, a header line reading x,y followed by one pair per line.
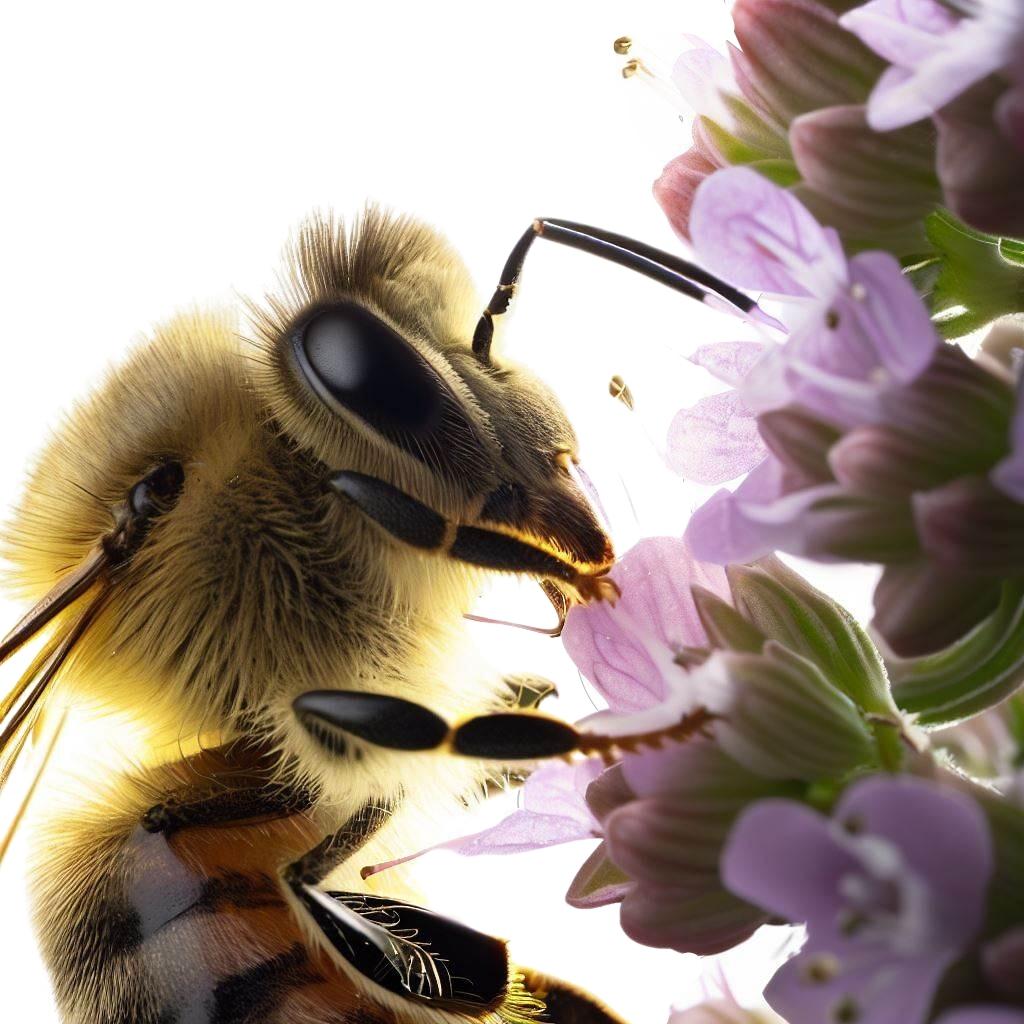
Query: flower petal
x,y
919,609
870,995
903,32
982,174
758,236
796,57
728,361
944,838
702,75
676,186
704,923
715,440
969,526
627,651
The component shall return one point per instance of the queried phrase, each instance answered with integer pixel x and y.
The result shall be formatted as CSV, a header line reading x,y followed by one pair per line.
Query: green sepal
x,y
725,627
980,277
977,672
787,721
786,608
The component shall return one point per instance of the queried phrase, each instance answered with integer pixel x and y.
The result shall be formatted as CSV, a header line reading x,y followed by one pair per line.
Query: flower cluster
x,y
767,759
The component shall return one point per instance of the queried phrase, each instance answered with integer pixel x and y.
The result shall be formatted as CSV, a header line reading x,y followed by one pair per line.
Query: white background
x,y
157,156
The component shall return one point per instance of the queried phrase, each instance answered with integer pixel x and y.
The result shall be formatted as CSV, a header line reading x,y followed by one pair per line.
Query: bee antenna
x,y
672,271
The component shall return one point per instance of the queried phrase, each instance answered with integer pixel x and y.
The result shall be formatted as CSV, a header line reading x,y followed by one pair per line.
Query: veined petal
x,y
758,236
728,361
627,651
715,440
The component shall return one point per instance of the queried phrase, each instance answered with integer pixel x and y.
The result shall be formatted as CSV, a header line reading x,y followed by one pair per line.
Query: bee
x,y
262,548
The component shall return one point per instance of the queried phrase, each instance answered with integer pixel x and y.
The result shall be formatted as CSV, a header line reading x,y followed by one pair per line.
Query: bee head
x,y
369,367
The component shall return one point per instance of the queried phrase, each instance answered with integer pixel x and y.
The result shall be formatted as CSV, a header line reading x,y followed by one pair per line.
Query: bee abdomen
x,y
191,928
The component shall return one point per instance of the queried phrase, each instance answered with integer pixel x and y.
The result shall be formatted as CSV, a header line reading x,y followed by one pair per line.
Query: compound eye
x,y
158,490
355,362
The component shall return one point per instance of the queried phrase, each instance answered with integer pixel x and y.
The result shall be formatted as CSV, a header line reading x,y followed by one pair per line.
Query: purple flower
x,y
936,55
968,72
717,439
856,326
790,104
627,651
892,889
885,446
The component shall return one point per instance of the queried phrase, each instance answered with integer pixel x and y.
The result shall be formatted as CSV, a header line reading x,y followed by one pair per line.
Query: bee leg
x,y
399,724
419,526
226,807
405,949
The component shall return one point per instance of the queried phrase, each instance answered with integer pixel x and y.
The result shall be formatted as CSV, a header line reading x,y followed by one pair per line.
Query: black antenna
x,y
678,274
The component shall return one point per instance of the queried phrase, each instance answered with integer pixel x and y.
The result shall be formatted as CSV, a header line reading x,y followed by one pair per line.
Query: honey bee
x,y
272,540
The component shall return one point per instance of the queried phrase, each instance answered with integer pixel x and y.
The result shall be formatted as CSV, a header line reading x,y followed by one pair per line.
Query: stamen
x,y
821,969
646,67
619,389
846,1011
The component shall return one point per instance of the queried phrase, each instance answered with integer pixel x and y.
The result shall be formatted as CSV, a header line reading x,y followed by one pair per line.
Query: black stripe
x,y
249,996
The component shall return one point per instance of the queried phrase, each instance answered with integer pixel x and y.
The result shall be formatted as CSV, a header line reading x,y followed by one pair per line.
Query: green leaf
x,y
977,672
786,608
980,279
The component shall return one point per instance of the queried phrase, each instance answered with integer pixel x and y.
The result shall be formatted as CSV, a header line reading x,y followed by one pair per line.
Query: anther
x,y
619,389
632,67
846,1011
622,45
821,969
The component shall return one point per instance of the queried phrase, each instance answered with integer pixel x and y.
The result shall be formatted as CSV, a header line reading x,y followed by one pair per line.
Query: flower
x,y
892,890
790,103
967,70
627,651
884,445
717,439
